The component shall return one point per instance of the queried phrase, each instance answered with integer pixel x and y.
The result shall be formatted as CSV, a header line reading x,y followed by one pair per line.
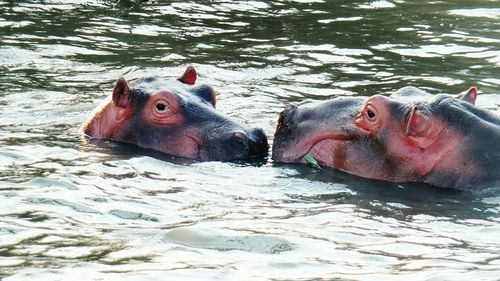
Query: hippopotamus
x,y
175,117
411,136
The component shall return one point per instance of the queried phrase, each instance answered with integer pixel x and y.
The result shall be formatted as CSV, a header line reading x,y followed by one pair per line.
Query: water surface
x,y
91,211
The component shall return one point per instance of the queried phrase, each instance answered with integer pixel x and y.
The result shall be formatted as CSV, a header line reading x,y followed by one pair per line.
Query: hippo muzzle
x,y
240,144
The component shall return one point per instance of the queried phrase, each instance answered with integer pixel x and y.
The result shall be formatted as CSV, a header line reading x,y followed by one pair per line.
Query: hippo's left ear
x,y
469,96
189,76
421,129
121,93
207,93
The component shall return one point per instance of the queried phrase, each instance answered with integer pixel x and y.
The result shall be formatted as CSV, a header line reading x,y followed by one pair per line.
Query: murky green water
x,y
73,210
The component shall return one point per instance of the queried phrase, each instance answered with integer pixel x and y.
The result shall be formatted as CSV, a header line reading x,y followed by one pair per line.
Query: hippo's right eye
x,y
370,118
370,114
163,109
161,106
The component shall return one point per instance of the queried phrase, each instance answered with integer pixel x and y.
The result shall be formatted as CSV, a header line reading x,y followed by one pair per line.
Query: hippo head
x,y
410,136
175,117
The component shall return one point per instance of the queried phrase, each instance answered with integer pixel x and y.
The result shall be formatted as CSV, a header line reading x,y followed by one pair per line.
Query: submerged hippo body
x,y
174,117
410,136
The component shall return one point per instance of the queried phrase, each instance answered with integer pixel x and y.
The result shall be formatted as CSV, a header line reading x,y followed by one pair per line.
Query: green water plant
x,y
309,158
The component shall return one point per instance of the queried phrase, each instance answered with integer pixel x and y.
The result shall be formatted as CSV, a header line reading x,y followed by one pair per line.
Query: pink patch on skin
x,y
106,121
185,146
342,156
443,155
423,130
447,156
298,150
329,153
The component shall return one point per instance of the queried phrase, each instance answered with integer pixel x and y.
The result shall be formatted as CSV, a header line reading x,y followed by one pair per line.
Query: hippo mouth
x,y
328,152
186,145
326,149
240,144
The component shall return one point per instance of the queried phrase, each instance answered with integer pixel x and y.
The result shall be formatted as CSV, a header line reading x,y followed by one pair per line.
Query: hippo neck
x,y
474,162
449,164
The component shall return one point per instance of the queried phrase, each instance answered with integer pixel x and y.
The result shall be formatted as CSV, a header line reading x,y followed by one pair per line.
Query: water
x,y
73,209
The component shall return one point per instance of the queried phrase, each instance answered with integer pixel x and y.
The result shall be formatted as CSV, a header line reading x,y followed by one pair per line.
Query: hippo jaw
x,y
324,148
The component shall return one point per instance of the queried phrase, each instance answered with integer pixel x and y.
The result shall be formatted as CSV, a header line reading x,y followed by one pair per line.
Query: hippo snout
x,y
257,142
285,118
239,144
290,110
284,131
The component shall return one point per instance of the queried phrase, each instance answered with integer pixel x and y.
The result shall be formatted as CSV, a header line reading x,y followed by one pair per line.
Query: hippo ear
x,y
121,93
421,128
469,96
207,93
189,76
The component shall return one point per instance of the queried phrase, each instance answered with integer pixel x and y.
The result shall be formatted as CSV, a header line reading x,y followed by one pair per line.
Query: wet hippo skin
x,y
176,117
410,136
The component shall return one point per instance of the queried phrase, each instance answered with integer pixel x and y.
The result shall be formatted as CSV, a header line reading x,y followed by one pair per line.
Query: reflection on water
x,y
103,210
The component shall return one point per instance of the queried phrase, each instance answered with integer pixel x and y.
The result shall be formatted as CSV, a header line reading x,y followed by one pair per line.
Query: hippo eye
x,y
369,119
163,109
370,114
161,106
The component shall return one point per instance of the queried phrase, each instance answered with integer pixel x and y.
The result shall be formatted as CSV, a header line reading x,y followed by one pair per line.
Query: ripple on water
x,y
429,51
479,12
377,5
227,241
340,19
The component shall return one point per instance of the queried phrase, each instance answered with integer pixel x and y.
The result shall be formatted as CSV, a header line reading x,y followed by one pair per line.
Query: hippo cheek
x,y
331,153
347,156
230,148
325,144
185,146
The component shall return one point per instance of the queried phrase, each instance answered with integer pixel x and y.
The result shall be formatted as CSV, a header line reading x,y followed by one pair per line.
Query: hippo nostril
x,y
259,143
241,137
290,106
290,110
258,135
